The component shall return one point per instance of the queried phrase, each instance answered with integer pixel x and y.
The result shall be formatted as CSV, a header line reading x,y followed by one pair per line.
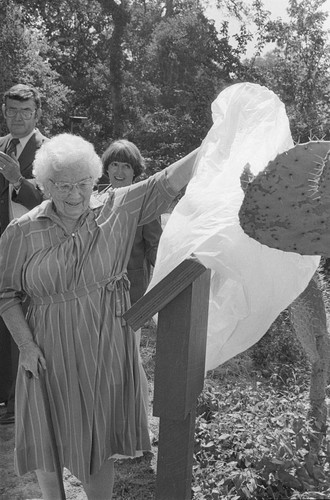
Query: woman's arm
x,y
30,354
147,199
180,172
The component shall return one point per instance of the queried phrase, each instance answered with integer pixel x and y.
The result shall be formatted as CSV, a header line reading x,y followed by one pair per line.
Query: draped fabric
x,y
250,283
79,291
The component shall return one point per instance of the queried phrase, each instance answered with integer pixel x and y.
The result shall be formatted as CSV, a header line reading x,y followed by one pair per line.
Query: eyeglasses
x,y
66,187
26,114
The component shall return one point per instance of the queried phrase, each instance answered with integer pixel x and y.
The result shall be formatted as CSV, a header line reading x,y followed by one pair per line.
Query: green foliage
x,y
278,353
23,59
162,69
178,69
298,68
149,71
253,437
77,32
252,442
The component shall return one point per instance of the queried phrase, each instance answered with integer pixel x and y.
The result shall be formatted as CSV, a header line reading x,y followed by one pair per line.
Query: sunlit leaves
x,y
252,442
24,58
298,68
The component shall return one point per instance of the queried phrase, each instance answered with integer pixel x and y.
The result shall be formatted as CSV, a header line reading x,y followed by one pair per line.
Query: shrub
x,y
252,442
279,349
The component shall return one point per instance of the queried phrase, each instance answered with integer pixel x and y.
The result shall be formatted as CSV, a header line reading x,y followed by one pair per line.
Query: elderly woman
x,y
69,255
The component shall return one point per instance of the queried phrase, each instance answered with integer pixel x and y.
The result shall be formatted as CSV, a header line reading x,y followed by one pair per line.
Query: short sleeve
x,y
13,254
164,185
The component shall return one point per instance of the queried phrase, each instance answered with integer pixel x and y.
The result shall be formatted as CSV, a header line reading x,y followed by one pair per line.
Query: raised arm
x,y
180,172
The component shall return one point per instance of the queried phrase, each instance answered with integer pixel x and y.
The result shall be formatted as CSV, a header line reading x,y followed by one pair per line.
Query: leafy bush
x,y
279,349
252,442
253,436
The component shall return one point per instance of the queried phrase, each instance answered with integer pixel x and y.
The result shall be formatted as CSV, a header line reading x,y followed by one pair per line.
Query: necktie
x,y
11,148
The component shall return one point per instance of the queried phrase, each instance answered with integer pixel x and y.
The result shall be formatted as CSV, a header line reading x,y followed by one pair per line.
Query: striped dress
x,y
79,291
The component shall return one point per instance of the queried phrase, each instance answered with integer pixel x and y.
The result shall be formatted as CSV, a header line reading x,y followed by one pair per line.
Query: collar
x,y
96,201
46,209
24,140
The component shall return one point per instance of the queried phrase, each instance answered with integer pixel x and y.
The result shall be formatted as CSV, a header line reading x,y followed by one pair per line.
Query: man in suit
x,y
18,193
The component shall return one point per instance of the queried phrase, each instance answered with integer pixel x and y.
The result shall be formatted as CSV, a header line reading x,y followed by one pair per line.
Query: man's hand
x,y
9,168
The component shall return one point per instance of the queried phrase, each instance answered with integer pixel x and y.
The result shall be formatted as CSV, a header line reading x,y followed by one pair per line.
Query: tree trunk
x,y
308,316
121,17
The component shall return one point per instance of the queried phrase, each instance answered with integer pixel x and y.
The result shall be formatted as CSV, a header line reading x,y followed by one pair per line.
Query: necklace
x,y
69,224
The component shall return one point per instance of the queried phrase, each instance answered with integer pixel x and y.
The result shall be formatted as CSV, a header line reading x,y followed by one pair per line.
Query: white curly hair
x,y
62,152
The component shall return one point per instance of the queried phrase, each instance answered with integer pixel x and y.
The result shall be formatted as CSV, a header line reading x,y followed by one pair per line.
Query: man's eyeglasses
x,y
26,114
66,187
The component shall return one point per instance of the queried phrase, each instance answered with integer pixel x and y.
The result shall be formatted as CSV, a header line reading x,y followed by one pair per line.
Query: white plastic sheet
x,y
250,283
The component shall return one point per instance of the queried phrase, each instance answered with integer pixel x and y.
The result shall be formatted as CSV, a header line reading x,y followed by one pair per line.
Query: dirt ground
x,y
135,479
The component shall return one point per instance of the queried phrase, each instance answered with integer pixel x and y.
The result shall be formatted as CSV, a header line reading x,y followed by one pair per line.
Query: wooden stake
x,y
182,299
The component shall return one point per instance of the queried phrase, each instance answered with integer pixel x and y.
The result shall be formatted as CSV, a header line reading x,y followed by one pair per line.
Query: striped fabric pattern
x,y
78,293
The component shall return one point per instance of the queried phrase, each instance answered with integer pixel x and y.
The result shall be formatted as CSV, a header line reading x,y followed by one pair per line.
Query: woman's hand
x,y
31,358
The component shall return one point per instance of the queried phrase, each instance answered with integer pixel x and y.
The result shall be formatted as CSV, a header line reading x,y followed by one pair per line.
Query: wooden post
x,y
179,379
182,300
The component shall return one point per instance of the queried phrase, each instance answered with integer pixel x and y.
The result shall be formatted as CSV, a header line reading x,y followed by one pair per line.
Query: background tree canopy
x,y
148,70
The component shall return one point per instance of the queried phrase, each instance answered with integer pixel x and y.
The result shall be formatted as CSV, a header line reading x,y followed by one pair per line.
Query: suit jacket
x,y
143,256
29,195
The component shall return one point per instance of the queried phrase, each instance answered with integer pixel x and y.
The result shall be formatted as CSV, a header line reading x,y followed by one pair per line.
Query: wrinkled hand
x,y
32,359
9,167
